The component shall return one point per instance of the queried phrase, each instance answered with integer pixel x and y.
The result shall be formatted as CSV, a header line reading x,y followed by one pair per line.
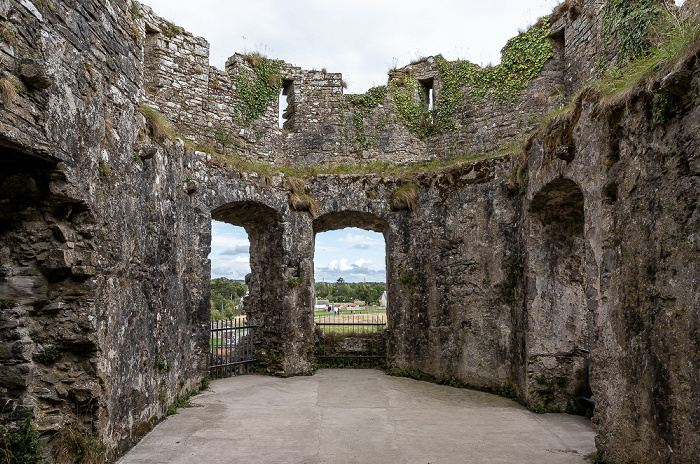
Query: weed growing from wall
x,y
257,87
78,444
22,446
49,355
404,197
158,126
170,30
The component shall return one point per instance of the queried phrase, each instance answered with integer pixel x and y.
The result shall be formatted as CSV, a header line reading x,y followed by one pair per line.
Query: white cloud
x,y
239,250
362,242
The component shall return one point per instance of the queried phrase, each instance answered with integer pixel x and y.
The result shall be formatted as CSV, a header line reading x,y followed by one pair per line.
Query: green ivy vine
x,y
522,60
410,108
633,20
363,105
258,88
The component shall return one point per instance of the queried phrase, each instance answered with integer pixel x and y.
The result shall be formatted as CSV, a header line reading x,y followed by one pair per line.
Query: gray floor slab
x,y
359,416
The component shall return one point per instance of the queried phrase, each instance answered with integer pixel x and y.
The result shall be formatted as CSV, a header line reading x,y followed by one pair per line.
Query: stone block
x,y
82,272
14,377
23,289
58,263
36,73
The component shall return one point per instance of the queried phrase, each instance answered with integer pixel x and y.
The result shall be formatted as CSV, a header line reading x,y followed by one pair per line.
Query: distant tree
x,y
226,298
342,292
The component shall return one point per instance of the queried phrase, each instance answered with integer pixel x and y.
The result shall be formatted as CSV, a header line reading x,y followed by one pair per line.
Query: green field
x,y
349,311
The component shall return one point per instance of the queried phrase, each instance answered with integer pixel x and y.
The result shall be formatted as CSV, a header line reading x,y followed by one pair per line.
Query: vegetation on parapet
x,y
522,60
675,43
635,21
256,87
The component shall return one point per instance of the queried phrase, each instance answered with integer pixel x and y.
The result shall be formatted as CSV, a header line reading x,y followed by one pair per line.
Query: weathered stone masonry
x,y
492,279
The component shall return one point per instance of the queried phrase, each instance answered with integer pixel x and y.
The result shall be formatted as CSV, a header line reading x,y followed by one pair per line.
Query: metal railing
x,y
350,340
231,345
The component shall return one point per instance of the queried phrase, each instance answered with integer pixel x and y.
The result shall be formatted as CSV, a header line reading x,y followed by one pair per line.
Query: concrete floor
x,y
359,416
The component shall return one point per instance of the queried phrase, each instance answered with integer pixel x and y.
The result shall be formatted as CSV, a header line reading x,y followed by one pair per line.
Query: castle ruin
x,y
535,237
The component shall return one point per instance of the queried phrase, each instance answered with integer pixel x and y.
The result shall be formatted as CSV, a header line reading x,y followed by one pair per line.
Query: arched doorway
x,y
263,226
557,315
349,317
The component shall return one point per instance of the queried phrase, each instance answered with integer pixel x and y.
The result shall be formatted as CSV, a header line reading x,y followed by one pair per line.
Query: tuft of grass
x,y
300,199
158,126
303,202
77,444
404,197
254,58
170,30
296,185
8,91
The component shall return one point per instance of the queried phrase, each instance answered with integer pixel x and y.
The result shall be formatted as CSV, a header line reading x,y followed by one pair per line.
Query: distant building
x,y
382,300
321,304
360,303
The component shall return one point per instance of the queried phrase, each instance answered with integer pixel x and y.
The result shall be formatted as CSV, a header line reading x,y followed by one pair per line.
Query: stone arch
x,y
556,302
342,219
265,230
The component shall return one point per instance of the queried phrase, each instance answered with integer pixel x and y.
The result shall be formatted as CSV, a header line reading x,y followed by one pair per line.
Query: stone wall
x,y
624,253
104,280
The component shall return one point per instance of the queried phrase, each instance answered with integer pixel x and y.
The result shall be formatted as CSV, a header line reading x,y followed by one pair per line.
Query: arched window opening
x,y
244,259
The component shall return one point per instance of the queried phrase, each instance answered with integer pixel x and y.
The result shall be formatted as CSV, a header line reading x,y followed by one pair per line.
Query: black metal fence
x,y
350,340
231,345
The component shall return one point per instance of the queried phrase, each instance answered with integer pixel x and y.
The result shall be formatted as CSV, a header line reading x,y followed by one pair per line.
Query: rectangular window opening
x,y
428,96
286,106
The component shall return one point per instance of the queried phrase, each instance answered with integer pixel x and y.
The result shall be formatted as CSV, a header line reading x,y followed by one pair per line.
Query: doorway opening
x,y
230,263
236,342
558,313
350,310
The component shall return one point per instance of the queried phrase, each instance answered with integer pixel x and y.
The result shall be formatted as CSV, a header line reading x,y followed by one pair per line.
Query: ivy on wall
x,y
522,60
258,87
633,20
363,104
410,108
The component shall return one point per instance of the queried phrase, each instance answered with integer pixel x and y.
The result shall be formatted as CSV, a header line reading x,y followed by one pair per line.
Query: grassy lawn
x,y
356,311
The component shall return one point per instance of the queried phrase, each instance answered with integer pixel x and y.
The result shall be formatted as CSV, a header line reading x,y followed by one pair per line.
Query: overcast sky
x,y
362,39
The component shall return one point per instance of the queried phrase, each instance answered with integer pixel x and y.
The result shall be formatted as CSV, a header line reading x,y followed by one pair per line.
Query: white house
x,y
382,300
